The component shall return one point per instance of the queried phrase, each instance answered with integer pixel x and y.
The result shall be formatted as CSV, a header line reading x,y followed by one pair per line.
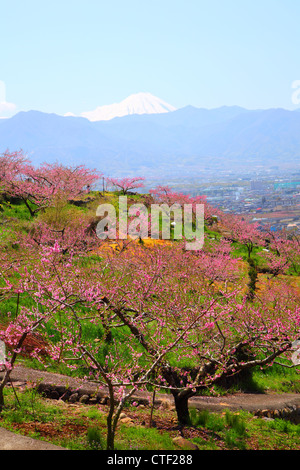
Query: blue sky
x,y
72,56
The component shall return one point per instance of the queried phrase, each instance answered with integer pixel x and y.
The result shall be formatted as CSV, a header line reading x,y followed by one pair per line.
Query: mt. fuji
x,y
139,103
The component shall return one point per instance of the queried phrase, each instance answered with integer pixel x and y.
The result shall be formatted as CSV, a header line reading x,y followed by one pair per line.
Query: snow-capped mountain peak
x,y
139,103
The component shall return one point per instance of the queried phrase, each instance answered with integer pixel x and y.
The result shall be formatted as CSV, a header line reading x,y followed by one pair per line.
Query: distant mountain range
x,y
161,142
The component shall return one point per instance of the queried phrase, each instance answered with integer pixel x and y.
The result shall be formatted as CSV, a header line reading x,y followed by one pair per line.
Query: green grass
x,y
141,438
277,378
14,211
95,439
242,431
209,421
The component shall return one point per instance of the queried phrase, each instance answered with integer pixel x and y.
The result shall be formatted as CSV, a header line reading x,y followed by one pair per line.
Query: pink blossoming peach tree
x,y
38,186
175,320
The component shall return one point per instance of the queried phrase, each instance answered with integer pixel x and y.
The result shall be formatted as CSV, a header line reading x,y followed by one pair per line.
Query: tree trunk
x,y
32,212
110,439
182,408
252,273
1,400
4,381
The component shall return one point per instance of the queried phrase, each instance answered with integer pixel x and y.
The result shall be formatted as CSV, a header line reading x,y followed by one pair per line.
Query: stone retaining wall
x,y
82,395
291,413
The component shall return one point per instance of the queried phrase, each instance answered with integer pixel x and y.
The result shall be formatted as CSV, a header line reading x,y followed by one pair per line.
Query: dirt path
x,y
12,441
253,402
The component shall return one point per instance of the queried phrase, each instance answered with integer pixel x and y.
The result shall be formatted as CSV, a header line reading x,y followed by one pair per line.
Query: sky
x,y
72,56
